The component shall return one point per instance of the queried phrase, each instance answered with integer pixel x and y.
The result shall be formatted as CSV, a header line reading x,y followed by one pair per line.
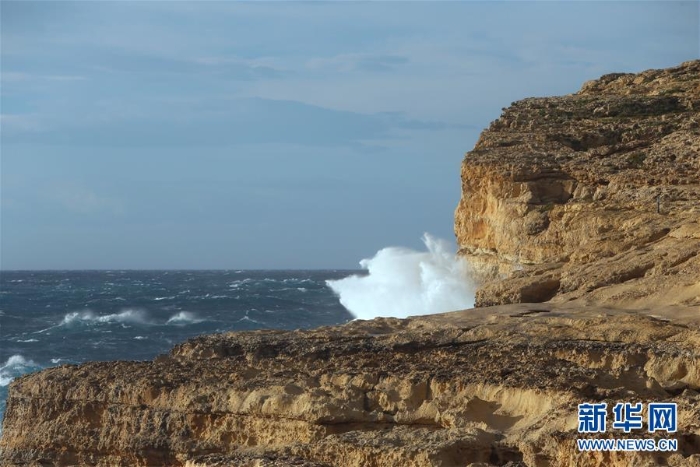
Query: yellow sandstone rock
x,y
591,196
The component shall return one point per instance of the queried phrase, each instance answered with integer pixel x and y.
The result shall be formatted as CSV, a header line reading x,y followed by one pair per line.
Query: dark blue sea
x,y
50,318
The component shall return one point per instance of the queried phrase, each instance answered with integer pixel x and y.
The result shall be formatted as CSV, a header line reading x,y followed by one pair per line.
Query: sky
x,y
225,135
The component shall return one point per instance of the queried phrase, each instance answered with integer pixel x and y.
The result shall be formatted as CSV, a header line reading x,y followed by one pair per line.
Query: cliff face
x,y
492,386
560,195
559,203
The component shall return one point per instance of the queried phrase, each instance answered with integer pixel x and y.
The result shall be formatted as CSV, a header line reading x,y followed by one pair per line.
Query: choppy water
x,y
49,318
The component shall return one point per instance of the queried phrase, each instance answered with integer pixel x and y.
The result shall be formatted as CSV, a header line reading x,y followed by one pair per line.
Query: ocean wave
x,y
207,296
157,299
299,289
184,317
238,283
297,281
89,317
246,318
15,366
27,340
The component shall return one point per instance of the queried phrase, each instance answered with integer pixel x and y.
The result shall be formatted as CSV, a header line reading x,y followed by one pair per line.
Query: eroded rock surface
x,y
594,195
492,386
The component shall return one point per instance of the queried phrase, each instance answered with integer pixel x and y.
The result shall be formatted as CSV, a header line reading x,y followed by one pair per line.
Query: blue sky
x,y
275,135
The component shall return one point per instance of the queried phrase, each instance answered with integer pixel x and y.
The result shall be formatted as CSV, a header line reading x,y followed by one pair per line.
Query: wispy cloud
x,y
222,122
19,77
358,62
229,68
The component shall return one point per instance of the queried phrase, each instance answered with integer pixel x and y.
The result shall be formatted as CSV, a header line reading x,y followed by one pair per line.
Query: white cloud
x,y
357,62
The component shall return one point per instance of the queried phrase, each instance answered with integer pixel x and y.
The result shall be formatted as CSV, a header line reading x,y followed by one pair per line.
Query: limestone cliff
x,y
595,194
559,204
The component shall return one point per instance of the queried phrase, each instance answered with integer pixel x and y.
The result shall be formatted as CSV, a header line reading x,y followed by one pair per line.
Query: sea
x,y
50,318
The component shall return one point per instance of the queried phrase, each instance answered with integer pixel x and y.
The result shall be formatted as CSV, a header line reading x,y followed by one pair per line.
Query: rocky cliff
x,y
594,195
589,202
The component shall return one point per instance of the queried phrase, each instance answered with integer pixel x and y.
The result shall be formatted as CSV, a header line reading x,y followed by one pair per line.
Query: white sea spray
x,y
402,282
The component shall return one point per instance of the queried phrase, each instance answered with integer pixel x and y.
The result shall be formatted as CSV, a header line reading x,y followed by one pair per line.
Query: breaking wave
x,y
15,366
402,282
87,316
184,317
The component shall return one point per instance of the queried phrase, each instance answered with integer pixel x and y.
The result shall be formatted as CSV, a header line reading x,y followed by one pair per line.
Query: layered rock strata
x,y
594,195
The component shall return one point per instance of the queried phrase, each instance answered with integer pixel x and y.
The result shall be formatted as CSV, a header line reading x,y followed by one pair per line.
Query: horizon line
x,y
175,269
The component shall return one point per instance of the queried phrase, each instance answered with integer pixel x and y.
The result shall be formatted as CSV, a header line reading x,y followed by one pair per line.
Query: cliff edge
x,y
589,203
592,196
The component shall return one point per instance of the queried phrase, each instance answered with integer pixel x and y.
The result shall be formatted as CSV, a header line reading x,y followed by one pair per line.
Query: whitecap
x,y
15,366
298,281
89,317
238,283
184,317
28,340
246,318
157,299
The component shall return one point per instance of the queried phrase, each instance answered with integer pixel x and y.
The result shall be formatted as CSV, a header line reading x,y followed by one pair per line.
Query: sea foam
x,y
184,317
87,316
15,366
402,282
